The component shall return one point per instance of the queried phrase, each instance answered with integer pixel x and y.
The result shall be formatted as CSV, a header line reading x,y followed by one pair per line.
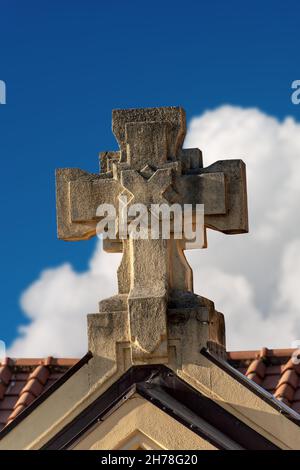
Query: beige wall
x,y
85,386
138,423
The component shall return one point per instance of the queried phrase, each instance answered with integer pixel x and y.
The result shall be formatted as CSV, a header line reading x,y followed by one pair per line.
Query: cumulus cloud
x,y
252,278
57,303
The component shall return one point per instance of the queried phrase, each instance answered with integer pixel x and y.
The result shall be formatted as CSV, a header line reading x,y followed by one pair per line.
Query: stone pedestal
x,y
192,323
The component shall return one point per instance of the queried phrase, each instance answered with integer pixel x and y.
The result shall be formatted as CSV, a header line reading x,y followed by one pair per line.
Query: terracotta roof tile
x,y
41,374
5,376
273,369
34,387
23,380
8,403
4,417
256,371
297,395
290,377
285,393
15,387
270,382
25,399
16,411
20,376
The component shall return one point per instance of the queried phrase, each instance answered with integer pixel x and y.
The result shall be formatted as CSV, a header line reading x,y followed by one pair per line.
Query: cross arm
x,y
221,187
235,220
78,194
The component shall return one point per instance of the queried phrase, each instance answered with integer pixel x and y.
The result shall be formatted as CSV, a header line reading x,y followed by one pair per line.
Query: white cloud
x,y
252,278
57,304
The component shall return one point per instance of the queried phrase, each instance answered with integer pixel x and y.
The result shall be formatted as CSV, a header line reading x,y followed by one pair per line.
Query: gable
x,y
213,413
138,424
174,397
272,369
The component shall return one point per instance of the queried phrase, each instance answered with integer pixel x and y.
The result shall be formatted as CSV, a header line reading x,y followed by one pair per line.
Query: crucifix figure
x,y
151,167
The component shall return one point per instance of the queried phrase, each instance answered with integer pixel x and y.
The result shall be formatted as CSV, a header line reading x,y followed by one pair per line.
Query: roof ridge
x,y
35,361
263,352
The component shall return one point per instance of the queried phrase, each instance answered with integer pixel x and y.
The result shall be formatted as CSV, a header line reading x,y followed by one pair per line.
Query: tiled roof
x,y
23,380
276,370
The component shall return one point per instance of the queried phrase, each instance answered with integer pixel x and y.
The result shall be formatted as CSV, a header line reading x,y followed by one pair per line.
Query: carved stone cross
x,y
150,168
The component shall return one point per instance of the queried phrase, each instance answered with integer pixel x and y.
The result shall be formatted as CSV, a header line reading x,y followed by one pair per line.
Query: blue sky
x,y
67,64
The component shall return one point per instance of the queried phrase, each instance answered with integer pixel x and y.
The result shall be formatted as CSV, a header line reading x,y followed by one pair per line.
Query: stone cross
x,y
151,167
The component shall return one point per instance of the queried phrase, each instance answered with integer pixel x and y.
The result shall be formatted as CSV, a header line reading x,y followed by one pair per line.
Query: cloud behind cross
x,y
2,92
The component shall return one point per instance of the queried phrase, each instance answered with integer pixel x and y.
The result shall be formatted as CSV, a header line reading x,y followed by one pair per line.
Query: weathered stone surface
x,y
207,188
68,229
147,191
235,220
171,117
96,191
155,282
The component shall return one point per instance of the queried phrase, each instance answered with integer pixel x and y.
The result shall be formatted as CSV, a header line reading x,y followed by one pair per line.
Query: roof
x,y
276,370
164,389
22,381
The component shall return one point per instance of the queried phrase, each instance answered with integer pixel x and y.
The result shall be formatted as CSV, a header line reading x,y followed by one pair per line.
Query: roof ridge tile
x,y
33,387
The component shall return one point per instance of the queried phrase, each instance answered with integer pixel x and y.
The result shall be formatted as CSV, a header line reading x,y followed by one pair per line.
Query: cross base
x,y
192,323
